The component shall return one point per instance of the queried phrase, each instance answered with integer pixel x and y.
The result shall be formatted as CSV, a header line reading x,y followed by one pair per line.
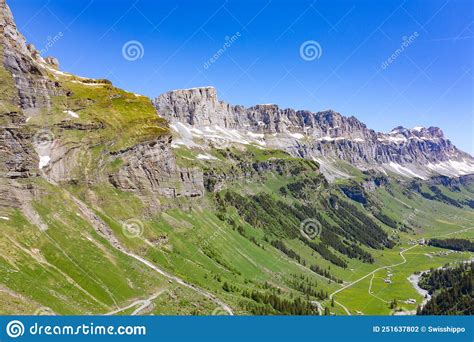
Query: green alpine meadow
x,y
112,203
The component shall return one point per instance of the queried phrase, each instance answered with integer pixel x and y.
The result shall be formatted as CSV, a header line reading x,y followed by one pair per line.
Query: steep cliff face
x,y
323,135
75,138
200,107
16,152
151,168
17,155
22,61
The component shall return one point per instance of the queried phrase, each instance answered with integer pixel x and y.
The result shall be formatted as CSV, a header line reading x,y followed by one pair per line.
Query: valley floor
x,y
372,293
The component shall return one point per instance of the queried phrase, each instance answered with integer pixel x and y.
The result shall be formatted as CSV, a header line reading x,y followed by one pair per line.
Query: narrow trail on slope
x,y
144,303
103,229
319,306
370,290
452,233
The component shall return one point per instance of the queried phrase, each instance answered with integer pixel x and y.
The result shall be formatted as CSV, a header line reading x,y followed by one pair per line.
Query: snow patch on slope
x,y
296,135
189,136
205,157
43,161
452,167
256,135
71,113
397,139
403,170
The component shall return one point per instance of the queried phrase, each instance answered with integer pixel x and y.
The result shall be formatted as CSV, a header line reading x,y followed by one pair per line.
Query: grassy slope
x,y
430,219
240,262
72,269
236,260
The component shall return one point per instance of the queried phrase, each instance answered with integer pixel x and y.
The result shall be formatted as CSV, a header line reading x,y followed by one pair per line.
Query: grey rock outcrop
x,y
32,81
21,60
17,156
52,61
151,168
325,134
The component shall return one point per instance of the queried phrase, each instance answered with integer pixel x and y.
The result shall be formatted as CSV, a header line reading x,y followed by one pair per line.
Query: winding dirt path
x,y
144,303
104,230
370,290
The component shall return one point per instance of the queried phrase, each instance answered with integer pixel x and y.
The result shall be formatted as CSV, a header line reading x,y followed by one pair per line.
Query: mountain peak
x,y
398,130
11,36
307,134
430,132
28,68
436,132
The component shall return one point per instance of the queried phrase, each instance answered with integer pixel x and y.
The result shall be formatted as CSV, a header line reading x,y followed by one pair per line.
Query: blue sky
x,y
428,81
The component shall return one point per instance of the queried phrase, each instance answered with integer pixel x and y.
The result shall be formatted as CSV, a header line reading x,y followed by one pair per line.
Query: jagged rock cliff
x,y
21,60
323,135
75,139
16,153
151,167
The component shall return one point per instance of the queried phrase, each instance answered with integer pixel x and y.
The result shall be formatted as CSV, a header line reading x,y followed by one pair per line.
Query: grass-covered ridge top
x,y
124,118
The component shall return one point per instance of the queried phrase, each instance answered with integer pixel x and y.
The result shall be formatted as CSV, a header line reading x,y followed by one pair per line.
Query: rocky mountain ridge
x,y
322,136
104,210
48,116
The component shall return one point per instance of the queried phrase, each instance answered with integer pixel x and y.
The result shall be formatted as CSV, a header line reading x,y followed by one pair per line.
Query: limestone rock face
x,y
147,168
198,106
326,134
21,60
151,168
52,61
17,156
